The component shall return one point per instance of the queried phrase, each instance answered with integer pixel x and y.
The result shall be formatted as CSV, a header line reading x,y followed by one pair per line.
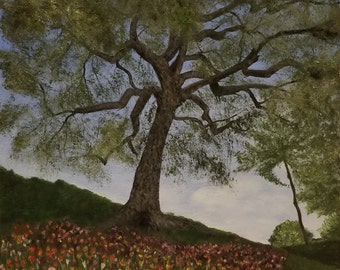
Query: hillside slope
x,y
36,200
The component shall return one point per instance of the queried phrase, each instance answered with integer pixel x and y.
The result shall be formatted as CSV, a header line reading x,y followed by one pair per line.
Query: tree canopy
x,y
92,80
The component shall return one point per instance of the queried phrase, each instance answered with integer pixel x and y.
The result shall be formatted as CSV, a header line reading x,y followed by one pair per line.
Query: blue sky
x,y
252,208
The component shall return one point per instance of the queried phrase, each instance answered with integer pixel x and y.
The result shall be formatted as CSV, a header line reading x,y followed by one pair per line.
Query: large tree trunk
x,y
143,207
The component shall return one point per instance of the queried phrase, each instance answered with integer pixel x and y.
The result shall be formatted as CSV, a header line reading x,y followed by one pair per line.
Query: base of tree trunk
x,y
145,220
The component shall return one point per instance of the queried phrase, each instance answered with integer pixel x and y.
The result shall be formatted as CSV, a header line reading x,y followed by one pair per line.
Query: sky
x,y
251,208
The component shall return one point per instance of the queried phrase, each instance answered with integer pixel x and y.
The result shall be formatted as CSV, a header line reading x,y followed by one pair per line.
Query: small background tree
x,y
288,233
330,229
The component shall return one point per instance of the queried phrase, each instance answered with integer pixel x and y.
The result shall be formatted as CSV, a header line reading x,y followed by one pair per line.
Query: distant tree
x,y
300,131
330,229
314,110
287,234
273,144
130,79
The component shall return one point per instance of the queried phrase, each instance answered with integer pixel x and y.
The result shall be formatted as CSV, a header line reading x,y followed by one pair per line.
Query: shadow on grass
x,y
325,252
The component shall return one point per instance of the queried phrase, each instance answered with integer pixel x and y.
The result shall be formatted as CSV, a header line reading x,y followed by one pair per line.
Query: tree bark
x,y
295,202
143,207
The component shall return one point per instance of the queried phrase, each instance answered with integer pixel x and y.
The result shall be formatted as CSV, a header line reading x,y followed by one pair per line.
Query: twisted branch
x,y
128,73
216,35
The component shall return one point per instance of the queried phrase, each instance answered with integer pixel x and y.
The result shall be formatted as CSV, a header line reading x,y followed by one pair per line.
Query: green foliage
x,y
330,229
63,54
17,75
9,114
298,262
271,143
301,127
312,108
317,255
287,234
177,15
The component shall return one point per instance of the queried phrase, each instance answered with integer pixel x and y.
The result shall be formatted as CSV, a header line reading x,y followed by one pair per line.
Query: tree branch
x,y
128,73
254,99
216,35
219,91
317,31
251,58
177,65
205,108
157,62
112,58
173,46
189,118
206,117
191,75
135,114
121,103
203,58
267,73
219,12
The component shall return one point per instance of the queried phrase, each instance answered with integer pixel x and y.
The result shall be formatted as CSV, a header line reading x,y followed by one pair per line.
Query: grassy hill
x,y
36,201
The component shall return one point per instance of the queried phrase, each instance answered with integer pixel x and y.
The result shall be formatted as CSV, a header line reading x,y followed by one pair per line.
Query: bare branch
x,y
233,89
254,99
216,35
267,73
191,75
203,58
317,31
121,103
138,46
112,58
191,119
173,46
135,114
205,108
145,52
128,73
219,12
206,117
188,90
49,110
251,58
61,127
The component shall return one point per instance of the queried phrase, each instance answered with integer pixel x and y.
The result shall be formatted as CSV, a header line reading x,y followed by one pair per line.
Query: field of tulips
x,y
64,245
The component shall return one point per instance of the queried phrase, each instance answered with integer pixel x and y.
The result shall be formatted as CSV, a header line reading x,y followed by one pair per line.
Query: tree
x,y
300,130
330,229
274,143
288,233
315,106
123,79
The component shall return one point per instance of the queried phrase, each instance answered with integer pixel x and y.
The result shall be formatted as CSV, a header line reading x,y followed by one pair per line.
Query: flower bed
x,y
63,245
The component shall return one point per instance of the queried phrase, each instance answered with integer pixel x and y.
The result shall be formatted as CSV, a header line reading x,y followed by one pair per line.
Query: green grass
x,y
36,200
324,254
